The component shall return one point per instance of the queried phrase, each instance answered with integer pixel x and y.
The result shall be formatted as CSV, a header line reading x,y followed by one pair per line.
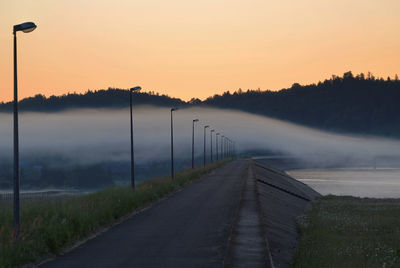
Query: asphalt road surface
x,y
189,229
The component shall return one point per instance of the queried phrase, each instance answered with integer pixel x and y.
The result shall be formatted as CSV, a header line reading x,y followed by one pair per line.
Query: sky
x,y
187,48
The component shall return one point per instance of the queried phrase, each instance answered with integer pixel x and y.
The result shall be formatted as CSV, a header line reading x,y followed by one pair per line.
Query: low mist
x,y
90,137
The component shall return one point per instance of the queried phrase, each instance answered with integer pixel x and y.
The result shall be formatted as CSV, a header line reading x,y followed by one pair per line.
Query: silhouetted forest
x,y
110,98
357,104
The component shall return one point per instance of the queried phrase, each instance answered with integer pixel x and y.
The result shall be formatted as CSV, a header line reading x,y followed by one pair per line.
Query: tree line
x,y
110,98
357,104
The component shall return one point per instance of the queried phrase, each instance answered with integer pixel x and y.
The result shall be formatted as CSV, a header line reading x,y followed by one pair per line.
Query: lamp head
x,y
174,109
195,120
25,27
217,134
135,88
212,130
206,126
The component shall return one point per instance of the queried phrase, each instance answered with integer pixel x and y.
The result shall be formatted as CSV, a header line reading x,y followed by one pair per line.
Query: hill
x,y
353,104
356,104
110,98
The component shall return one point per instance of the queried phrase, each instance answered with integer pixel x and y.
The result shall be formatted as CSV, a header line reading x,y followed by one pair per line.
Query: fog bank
x,y
91,136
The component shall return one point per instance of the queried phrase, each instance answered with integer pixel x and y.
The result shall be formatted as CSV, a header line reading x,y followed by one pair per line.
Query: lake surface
x,y
361,182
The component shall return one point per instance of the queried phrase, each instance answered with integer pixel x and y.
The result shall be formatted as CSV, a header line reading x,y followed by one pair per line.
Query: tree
x,y
348,75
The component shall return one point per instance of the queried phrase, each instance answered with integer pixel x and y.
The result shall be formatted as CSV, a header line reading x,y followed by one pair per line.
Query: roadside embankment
x,y
282,199
336,231
265,232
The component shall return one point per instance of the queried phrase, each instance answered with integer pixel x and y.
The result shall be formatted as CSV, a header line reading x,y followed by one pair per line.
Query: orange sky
x,y
188,48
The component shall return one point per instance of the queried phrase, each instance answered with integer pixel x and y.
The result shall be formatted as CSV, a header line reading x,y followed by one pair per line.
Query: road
x,y
189,229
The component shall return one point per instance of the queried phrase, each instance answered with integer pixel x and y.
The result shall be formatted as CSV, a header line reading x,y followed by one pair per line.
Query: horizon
x,y
153,92
186,50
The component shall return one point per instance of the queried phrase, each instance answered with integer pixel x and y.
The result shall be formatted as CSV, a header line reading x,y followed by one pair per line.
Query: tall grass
x,y
350,232
48,226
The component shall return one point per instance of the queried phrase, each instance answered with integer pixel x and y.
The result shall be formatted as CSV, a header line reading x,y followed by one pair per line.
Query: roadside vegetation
x,y
350,232
48,226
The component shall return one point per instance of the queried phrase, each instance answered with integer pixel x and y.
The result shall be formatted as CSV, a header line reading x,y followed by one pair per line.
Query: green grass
x,y
49,226
350,232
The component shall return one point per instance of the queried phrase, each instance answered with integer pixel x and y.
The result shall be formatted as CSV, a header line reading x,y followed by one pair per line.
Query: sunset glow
x,y
194,48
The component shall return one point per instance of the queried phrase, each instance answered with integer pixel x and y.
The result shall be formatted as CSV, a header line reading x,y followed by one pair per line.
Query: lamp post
x,y
131,121
216,144
172,144
222,146
228,145
229,148
26,28
204,154
194,121
211,152
225,151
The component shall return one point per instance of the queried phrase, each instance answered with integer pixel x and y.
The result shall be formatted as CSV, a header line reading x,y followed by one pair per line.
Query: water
x,y
361,182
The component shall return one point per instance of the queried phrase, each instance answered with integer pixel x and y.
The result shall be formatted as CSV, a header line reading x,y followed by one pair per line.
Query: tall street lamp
x,y
228,147
225,146
172,144
194,121
26,28
211,152
216,144
204,154
132,155
222,146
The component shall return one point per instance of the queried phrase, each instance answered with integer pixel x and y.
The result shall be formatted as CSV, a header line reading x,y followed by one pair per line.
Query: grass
x,y
49,226
350,232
